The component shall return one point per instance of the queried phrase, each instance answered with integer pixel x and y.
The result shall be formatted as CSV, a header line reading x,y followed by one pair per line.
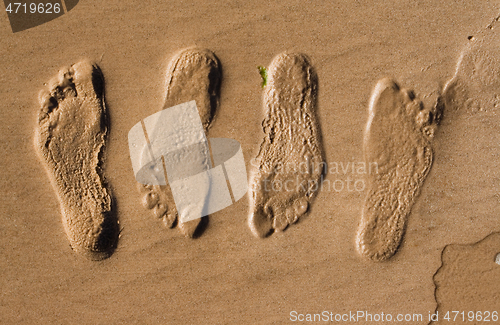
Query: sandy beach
x,y
156,275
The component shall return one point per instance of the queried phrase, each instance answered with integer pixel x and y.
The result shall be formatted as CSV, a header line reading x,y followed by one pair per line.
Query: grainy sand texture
x,y
347,83
69,138
289,164
193,74
397,145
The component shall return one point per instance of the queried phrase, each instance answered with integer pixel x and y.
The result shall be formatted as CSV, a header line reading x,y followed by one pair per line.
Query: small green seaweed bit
x,y
263,74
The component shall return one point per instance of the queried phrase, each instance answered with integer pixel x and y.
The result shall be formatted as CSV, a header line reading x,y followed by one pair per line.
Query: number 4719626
x,y
471,316
41,8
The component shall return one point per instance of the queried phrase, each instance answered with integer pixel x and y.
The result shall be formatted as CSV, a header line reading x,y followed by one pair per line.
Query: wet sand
x,y
227,275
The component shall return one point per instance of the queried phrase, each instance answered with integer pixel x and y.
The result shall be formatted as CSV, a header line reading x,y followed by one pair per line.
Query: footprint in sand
x,y
289,164
193,74
468,277
476,83
70,137
397,140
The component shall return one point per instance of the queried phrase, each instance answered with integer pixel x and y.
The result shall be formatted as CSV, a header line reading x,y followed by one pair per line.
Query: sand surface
x,y
227,275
